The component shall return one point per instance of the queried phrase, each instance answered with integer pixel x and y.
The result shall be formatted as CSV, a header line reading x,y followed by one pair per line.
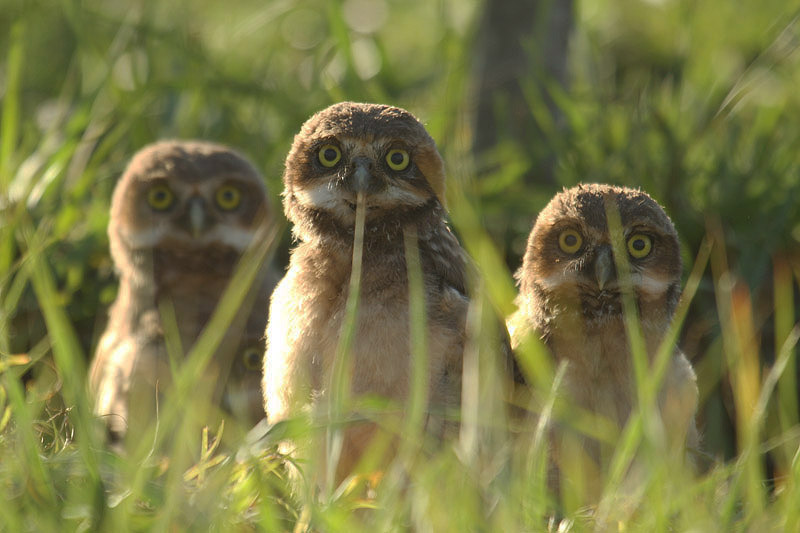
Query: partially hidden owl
x,y
181,216
385,153
570,296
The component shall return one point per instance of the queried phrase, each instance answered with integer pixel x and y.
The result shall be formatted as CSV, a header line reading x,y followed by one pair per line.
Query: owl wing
x,y
449,262
444,259
509,359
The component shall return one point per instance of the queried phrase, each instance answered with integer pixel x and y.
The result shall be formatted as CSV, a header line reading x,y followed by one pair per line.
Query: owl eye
x,y
329,155
639,245
570,241
228,197
251,358
160,197
397,159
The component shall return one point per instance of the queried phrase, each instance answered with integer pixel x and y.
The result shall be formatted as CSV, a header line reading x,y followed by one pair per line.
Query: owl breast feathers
x,y
181,216
570,296
385,154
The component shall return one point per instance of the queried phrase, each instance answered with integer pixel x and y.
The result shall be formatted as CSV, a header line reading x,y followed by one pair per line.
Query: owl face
x,y
187,194
381,151
570,258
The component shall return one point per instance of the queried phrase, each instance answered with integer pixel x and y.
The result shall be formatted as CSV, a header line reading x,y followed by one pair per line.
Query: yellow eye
x,y
329,155
160,197
639,245
228,197
570,241
251,358
397,159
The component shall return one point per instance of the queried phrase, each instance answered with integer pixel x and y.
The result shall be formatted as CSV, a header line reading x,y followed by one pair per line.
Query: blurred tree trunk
x,y
521,49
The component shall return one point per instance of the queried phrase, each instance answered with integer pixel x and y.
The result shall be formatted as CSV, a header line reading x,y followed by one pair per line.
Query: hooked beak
x,y
197,216
604,270
361,175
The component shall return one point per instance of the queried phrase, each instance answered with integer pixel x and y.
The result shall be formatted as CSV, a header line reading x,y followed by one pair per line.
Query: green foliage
x,y
692,101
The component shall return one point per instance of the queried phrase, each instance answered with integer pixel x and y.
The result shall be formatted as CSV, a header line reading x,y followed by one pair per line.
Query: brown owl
x,y
181,216
570,296
385,154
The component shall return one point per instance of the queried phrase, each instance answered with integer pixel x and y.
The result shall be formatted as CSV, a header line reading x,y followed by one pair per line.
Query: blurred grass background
x,y
694,101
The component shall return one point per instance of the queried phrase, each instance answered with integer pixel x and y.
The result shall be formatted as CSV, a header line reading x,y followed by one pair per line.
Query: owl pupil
x,y
228,195
251,359
638,245
160,195
330,154
397,158
570,240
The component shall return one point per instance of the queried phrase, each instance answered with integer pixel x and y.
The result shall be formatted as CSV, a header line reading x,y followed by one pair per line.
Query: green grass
x,y
692,101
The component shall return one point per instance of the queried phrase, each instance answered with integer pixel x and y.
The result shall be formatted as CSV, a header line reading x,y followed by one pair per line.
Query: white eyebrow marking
x,y
233,236
649,284
321,196
557,280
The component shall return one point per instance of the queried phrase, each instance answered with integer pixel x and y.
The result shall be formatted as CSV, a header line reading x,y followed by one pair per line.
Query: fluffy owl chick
x,y
386,154
570,296
181,216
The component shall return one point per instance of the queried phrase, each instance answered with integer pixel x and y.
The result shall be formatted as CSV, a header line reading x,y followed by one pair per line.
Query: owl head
x,y
379,150
185,196
569,263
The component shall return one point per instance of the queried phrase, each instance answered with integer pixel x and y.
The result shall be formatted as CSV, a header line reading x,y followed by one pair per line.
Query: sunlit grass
x,y
709,139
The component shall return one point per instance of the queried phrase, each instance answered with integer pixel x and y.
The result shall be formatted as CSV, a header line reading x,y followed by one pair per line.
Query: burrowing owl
x,y
386,154
181,216
570,296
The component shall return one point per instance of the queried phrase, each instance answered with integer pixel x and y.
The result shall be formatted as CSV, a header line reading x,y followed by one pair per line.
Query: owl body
x,y
181,216
570,296
308,306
